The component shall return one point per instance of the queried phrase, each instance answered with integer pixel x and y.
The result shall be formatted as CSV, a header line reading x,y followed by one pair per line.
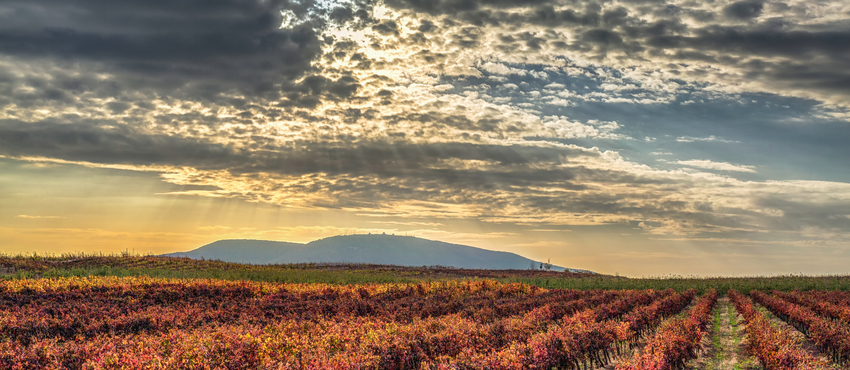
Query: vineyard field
x,y
128,323
142,322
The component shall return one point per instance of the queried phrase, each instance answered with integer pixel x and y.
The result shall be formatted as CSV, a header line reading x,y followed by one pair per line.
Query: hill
x,y
369,249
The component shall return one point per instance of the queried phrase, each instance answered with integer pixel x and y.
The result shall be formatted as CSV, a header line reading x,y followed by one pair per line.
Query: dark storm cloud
x,y
791,44
310,91
386,28
426,26
184,48
812,60
812,56
743,9
454,6
100,142
110,143
602,37
360,172
547,15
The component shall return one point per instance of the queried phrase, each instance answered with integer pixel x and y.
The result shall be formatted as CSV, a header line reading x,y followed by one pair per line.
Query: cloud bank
x,y
534,113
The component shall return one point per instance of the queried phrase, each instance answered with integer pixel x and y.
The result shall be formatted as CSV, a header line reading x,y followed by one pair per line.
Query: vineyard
x,y
152,323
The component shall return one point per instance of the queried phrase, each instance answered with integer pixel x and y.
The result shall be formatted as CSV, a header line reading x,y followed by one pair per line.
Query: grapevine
x,y
775,348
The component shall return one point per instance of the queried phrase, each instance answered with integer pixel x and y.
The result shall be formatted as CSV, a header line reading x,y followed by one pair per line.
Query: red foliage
x,y
582,340
775,348
832,304
676,341
831,336
140,323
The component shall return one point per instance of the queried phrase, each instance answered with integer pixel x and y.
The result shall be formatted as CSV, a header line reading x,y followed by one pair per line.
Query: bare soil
x,y
724,348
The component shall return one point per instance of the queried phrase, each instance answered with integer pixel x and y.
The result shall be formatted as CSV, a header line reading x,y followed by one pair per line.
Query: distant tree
x,y
548,265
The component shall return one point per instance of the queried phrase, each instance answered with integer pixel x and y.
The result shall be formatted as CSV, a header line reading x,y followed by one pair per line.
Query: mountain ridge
x,y
364,248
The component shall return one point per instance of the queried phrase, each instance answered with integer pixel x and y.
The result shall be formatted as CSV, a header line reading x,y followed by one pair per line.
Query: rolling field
x,y
50,318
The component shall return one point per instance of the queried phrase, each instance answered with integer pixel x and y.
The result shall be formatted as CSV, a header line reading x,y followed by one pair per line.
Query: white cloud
x,y
29,217
720,166
502,69
690,139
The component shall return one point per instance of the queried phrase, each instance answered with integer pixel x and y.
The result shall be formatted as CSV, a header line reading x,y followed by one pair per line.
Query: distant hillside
x,y
372,249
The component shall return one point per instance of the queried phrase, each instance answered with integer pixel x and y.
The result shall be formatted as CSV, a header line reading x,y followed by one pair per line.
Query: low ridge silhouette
x,y
365,248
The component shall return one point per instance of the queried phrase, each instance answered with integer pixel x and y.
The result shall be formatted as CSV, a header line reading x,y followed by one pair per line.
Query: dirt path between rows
x,y
724,347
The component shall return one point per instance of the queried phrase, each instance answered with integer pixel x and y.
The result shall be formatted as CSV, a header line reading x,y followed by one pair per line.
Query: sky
x,y
631,137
